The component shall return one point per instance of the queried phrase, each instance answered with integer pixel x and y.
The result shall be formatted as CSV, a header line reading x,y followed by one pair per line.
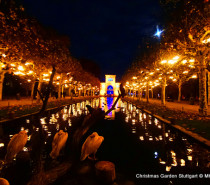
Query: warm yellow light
x,y
184,61
191,60
194,76
172,61
151,73
182,162
141,138
176,58
174,80
45,75
127,82
171,77
158,69
146,77
156,84
168,168
19,73
3,55
20,68
160,78
185,72
189,157
29,80
28,63
162,162
206,41
13,65
30,72
164,62
58,77
57,83
134,77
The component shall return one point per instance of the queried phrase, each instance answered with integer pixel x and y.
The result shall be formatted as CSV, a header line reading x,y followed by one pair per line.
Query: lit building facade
x,y
110,86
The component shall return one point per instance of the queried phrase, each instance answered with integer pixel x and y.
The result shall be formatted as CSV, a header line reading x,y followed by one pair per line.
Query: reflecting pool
x,y
137,143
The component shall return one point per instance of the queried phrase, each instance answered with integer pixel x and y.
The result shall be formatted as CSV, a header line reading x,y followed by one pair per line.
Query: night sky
x,y
108,32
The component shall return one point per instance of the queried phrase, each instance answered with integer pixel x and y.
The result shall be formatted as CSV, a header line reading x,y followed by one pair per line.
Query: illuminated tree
x,y
189,33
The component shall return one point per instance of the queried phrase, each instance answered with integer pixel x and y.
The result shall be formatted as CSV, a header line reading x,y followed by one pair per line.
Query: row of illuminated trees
x,y
35,53
182,54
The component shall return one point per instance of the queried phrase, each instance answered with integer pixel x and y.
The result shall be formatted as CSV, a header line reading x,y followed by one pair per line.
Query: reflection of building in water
x,y
106,104
109,87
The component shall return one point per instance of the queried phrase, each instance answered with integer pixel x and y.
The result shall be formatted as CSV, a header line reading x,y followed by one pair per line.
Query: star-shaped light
x,y
158,32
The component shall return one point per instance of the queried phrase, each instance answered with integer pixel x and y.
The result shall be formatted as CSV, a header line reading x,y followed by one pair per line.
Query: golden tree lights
x,y
176,69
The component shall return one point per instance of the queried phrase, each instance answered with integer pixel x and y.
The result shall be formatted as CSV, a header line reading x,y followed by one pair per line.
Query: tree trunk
x,y
69,90
163,93
62,90
202,86
140,95
208,88
152,92
147,92
180,90
60,86
75,89
33,89
48,90
1,83
39,87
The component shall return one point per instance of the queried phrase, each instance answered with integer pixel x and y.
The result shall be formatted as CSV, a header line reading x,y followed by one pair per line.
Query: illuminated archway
x,y
110,86
110,89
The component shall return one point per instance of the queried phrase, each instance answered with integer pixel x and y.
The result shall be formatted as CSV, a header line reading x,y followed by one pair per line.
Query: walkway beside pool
x,y
183,106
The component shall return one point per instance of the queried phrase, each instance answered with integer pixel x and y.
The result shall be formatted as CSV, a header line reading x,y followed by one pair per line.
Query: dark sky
x,y
105,31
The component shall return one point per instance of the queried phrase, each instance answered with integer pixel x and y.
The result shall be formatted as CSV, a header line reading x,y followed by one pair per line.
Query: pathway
x,y
184,106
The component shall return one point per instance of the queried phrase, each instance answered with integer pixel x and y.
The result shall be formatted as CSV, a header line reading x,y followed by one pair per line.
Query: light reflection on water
x,y
51,124
170,148
106,104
